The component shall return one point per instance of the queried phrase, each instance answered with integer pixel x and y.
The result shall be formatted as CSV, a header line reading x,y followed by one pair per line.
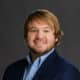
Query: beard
x,y
39,53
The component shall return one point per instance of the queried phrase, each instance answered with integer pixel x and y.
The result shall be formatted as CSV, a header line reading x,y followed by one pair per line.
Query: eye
x,y
33,30
46,31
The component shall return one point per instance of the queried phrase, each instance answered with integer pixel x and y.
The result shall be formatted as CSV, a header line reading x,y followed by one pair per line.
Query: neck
x,y
34,56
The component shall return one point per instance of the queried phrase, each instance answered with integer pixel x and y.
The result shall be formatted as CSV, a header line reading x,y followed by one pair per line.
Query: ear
x,y
56,39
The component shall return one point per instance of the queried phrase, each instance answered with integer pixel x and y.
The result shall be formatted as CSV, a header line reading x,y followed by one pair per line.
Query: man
x,y
42,34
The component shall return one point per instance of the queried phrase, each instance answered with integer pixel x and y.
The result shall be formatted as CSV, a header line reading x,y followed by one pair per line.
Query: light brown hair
x,y
45,15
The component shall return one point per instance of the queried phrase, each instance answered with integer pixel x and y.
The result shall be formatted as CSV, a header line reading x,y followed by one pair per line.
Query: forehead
x,y
41,23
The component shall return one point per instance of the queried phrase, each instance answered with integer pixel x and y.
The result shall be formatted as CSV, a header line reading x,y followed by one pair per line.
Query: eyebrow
x,y
32,27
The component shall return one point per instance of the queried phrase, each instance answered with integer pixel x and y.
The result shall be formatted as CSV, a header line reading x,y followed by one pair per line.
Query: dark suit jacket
x,y
53,68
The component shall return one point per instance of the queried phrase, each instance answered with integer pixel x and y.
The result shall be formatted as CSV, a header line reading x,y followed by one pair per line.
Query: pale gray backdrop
x,y
12,16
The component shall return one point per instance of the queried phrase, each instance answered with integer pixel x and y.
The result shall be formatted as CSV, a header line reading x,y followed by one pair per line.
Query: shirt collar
x,y
41,58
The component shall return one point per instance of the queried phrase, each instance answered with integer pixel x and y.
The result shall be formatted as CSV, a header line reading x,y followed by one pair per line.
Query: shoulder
x,y
65,64
68,69
18,63
60,62
65,69
14,68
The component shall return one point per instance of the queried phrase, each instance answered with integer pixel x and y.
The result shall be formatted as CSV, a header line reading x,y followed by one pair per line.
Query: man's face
x,y
40,37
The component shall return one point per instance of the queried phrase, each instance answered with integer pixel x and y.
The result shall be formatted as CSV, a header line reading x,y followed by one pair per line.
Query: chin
x,y
40,51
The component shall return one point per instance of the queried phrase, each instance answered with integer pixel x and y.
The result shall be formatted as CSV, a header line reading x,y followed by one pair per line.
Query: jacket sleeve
x,y
71,74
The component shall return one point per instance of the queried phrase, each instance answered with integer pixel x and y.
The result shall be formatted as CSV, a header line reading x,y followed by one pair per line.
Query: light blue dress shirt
x,y
33,67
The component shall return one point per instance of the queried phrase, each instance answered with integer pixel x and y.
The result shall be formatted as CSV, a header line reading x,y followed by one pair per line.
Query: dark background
x,y
12,16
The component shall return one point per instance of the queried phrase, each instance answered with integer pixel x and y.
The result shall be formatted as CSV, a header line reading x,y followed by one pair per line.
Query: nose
x,y
39,35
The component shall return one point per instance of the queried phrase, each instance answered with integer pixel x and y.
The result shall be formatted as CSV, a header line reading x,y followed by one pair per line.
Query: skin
x,y
40,38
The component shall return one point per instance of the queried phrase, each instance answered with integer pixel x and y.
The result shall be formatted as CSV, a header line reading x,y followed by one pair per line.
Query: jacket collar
x,y
46,68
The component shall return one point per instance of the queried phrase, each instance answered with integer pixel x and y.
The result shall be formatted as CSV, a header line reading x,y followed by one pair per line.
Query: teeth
x,y
38,42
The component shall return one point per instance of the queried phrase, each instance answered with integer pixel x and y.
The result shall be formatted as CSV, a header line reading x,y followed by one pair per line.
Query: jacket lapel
x,y
22,66
48,68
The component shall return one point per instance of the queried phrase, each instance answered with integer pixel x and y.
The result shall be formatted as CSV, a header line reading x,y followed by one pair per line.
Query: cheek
x,y
51,39
30,38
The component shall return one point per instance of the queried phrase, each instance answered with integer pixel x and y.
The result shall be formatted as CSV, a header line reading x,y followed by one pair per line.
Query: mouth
x,y
39,43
